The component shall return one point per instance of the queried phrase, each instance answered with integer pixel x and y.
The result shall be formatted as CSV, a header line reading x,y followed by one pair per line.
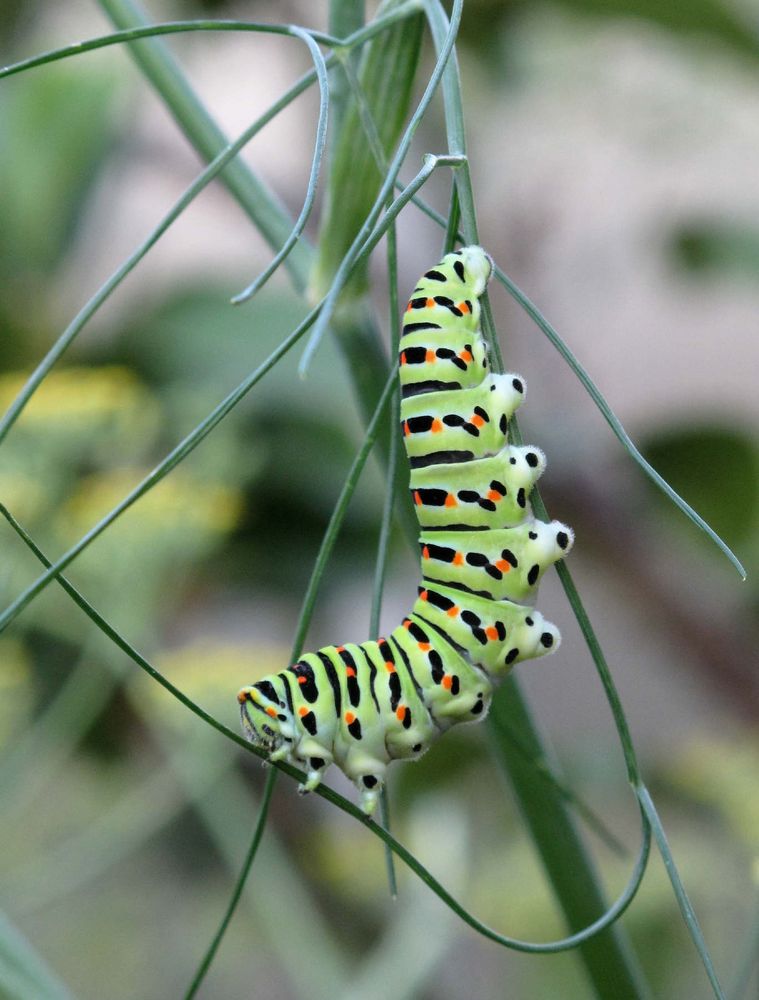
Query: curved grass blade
x,y
612,914
134,34
156,30
313,180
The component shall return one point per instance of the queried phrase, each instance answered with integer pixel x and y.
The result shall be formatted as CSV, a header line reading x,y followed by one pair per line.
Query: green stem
x,y
345,17
239,886
608,959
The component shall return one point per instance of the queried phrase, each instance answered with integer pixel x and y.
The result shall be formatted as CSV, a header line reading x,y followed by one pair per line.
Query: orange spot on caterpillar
x,y
403,357
466,356
350,671
477,420
242,696
437,426
302,711
430,303
425,553
425,646
463,307
417,498
450,501
401,712
452,612
423,596
409,307
503,566
390,667
429,357
407,623
406,430
302,680
458,559
350,718
340,649
447,682
271,712
494,495
491,633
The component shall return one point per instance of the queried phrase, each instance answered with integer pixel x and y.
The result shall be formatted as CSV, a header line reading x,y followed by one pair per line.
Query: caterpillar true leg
x,y
361,706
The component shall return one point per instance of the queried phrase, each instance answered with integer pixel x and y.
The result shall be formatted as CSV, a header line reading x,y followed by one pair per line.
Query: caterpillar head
x,y
265,718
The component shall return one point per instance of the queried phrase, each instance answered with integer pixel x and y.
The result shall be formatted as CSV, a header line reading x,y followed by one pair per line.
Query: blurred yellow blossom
x,y
179,502
77,393
16,688
723,774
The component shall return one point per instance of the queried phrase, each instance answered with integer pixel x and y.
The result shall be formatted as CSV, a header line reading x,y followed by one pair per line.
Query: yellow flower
x,y
77,393
722,774
179,502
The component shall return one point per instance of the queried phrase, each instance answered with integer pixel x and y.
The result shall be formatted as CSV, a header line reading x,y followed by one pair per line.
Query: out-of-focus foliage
x,y
58,129
718,250
722,775
702,21
717,468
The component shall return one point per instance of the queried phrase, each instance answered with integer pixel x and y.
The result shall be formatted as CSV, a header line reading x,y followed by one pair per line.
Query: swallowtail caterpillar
x,y
361,706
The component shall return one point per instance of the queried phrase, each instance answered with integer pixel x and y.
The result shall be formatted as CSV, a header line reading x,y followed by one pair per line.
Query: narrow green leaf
x,y
321,136
611,419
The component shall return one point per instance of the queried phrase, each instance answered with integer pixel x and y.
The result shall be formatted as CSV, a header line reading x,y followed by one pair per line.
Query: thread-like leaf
x,y
564,944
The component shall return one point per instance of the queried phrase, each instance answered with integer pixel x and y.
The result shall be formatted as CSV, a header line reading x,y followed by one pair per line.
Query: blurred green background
x,y
614,151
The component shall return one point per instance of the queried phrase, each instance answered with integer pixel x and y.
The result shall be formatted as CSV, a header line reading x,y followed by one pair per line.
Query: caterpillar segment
x,y
361,706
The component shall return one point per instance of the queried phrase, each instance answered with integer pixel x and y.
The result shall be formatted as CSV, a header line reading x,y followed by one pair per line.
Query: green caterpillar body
x,y
361,706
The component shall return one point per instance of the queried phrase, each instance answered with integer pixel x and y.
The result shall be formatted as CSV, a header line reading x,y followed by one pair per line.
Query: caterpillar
x,y
361,706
